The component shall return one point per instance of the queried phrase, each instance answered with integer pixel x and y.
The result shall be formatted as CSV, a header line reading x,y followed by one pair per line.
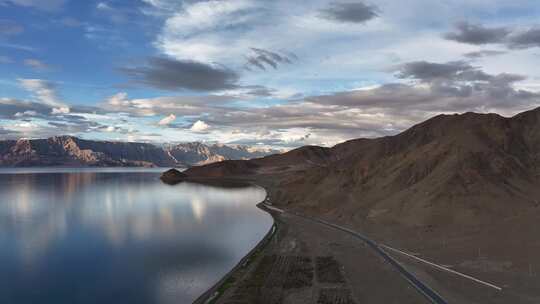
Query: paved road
x,y
427,291
442,268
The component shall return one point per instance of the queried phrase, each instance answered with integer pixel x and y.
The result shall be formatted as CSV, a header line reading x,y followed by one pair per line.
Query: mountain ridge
x,y
73,151
461,191
447,169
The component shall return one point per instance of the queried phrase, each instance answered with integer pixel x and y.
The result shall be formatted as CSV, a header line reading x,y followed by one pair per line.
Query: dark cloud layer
x,y
354,12
10,108
477,34
9,134
525,39
430,72
458,79
514,38
430,88
445,87
174,75
262,59
50,123
482,54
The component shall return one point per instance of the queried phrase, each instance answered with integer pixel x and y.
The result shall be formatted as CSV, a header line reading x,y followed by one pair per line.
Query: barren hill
x,y
450,169
458,190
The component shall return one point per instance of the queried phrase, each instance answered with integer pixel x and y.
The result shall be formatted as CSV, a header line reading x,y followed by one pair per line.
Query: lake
x,y
119,236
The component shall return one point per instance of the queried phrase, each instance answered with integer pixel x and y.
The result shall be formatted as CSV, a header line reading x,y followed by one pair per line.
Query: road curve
x,y
424,289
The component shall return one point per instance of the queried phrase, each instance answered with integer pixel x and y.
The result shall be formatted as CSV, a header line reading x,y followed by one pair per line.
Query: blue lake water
x,y
104,236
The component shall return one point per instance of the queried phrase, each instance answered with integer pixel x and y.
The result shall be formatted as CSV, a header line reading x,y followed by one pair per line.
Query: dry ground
x,y
503,253
309,263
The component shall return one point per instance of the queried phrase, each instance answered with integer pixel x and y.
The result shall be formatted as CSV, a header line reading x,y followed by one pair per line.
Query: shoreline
x,y
283,229
217,290
313,241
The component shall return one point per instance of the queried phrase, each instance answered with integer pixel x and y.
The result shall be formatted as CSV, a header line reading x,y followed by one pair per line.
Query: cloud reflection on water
x,y
197,232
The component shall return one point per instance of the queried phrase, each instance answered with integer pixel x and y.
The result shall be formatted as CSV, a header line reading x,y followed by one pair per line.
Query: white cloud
x,y
36,64
209,15
167,120
156,3
44,92
187,34
118,99
162,4
60,110
199,126
46,5
103,6
224,32
26,113
343,79
20,47
165,105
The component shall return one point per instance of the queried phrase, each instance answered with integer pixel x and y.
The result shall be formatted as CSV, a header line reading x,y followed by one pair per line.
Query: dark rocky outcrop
x,y
173,176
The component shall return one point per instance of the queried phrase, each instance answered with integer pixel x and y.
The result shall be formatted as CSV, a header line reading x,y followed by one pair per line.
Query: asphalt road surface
x,y
421,287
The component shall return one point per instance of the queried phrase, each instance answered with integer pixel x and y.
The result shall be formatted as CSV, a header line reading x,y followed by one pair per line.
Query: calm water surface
x,y
119,237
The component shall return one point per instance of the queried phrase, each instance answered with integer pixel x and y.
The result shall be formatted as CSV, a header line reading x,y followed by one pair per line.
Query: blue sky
x,y
271,73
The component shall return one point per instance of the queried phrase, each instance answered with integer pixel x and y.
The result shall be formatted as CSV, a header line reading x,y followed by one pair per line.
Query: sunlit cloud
x,y
36,64
45,92
199,126
167,120
265,73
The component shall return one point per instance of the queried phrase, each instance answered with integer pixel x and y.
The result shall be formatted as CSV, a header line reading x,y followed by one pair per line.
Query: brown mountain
x,y
458,190
73,151
449,169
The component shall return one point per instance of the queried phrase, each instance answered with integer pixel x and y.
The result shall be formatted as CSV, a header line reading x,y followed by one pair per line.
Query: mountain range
x,y
460,190
448,169
73,151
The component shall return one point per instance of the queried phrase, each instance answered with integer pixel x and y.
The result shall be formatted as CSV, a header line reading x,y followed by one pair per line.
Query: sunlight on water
x,y
96,237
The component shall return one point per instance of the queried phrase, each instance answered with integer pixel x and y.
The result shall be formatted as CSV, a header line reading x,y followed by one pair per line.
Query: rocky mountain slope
x,y
449,169
72,151
199,153
458,190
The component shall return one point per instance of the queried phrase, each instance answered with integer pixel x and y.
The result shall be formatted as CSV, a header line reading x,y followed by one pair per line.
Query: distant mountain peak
x,y
66,150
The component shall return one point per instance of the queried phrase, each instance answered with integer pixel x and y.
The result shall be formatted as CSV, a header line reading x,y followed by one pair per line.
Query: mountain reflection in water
x,y
91,237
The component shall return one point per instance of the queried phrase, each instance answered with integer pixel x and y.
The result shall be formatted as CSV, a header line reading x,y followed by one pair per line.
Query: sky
x,y
279,73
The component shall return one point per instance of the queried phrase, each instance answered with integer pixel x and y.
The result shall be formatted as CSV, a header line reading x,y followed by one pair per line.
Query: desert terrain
x,y
461,191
